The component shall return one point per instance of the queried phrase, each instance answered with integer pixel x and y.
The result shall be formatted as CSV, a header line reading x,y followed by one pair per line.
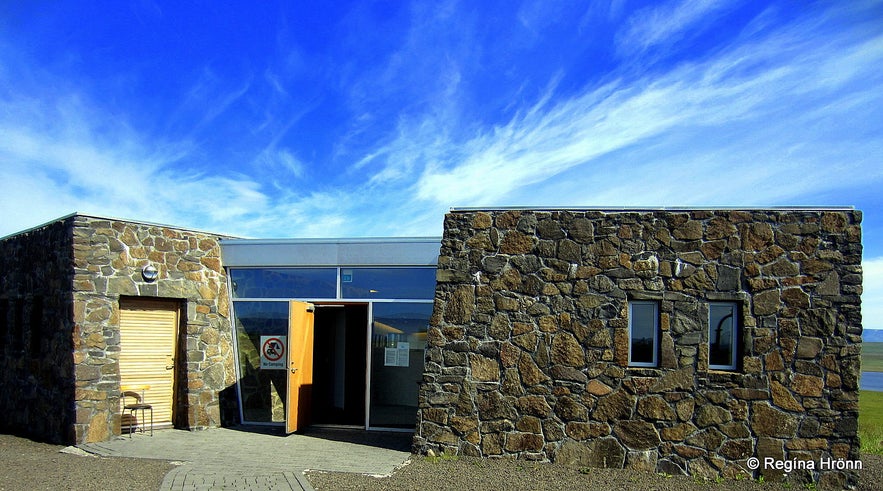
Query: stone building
x,y
672,341
91,307
69,290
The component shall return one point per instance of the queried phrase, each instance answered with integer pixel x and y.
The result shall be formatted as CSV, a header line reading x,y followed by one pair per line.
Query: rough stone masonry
x,y
527,353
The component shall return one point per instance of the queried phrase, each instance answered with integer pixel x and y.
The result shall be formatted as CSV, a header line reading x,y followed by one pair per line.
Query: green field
x,y
872,357
870,421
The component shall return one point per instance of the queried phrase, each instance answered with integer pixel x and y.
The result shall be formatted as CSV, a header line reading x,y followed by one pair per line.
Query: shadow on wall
x,y
37,376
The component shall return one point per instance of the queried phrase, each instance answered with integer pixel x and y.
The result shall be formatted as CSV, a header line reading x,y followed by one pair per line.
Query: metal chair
x,y
138,405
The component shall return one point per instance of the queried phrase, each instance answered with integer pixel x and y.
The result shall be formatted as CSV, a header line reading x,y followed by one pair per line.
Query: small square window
x,y
723,335
643,333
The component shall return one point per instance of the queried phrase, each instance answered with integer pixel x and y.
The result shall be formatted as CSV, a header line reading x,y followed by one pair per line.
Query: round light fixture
x,y
149,273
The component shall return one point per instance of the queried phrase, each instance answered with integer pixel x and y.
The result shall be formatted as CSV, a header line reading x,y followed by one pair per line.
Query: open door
x,y
300,366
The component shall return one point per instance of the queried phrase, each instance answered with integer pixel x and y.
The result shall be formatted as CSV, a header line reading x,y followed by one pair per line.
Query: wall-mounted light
x,y
149,273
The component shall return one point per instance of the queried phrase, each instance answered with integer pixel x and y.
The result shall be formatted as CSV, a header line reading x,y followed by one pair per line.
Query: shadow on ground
x,y
390,440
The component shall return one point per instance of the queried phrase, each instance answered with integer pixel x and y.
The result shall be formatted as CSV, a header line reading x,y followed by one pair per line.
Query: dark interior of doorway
x,y
339,364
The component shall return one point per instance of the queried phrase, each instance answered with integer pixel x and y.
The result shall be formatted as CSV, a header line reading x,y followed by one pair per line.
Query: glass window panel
x,y
262,391
642,330
398,338
411,283
722,336
284,283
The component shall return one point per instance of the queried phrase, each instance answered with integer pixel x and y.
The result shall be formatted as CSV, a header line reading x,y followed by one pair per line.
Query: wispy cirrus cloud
x,y
667,23
61,155
446,115
785,92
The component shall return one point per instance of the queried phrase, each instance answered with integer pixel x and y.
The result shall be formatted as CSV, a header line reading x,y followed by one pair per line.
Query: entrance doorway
x,y
327,365
340,364
148,341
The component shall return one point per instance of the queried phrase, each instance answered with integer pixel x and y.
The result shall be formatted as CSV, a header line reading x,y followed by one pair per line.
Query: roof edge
x,y
77,214
619,209
337,240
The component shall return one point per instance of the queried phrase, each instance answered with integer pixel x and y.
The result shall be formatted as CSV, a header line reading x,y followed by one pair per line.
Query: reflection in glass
x,y
642,331
398,339
722,335
262,391
284,283
410,283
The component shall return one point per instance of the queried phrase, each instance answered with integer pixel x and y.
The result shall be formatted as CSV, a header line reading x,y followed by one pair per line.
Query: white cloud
x,y
665,24
772,112
271,161
872,293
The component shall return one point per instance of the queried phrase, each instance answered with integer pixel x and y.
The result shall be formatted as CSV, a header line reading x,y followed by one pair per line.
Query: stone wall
x,y
60,367
36,361
528,346
108,259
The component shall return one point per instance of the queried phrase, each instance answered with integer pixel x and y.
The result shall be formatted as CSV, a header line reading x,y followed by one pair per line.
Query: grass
x,y
443,457
870,421
872,357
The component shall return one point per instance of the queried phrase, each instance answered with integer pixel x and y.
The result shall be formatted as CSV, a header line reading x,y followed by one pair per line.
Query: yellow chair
x,y
131,392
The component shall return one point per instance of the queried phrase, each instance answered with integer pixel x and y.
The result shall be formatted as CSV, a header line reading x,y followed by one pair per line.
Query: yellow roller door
x,y
148,334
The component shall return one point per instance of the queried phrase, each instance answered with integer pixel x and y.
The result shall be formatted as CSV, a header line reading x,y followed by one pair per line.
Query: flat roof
x,y
620,209
114,219
368,251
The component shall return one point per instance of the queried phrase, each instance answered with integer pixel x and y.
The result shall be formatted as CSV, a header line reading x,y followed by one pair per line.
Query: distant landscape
x,y
870,421
872,336
872,356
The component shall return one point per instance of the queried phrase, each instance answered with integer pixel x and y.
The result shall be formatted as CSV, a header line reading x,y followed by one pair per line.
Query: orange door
x,y
300,366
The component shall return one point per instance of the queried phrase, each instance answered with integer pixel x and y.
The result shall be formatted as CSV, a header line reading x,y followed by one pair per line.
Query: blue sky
x,y
328,119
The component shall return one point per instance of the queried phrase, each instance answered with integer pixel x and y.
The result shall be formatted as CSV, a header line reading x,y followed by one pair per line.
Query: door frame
x,y
327,303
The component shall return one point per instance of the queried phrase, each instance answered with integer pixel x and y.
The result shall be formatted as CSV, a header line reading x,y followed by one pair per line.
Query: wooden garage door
x,y
148,335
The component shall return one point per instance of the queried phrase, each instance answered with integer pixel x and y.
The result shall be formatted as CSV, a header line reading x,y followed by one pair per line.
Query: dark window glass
x,y
262,391
643,328
284,283
409,283
398,339
722,336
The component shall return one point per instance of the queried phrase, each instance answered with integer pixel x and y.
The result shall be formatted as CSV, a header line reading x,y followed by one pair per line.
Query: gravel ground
x,y
482,475
26,465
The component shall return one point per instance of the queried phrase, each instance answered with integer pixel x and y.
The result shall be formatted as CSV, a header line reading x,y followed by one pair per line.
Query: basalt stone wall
x,y
60,289
109,256
527,351
36,361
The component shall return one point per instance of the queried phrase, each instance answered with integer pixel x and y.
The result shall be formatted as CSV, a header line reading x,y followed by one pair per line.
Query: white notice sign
x,y
400,356
404,354
390,357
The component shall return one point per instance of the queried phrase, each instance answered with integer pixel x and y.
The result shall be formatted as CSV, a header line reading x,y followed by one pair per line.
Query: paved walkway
x,y
258,458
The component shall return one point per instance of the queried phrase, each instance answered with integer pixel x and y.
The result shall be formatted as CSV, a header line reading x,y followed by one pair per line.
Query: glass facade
x,y
284,283
404,283
389,307
398,339
262,391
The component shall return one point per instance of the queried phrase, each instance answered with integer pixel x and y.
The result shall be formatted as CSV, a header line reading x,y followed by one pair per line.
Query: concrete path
x,y
260,458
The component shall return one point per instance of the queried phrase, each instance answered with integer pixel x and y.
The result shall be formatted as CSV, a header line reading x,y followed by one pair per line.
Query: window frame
x,y
655,361
735,336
